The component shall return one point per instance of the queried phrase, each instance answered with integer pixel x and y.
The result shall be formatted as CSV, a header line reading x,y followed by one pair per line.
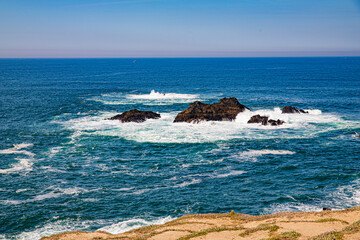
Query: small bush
x,y
329,236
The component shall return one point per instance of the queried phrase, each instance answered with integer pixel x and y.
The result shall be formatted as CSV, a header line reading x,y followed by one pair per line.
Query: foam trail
x,y
257,153
16,149
132,224
23,164
185,184
55,193
231,173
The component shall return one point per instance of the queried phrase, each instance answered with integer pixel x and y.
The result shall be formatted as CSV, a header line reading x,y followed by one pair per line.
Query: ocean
x,y
64,167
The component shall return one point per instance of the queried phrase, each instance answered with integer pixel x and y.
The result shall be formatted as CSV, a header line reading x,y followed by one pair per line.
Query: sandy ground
x,y
325,225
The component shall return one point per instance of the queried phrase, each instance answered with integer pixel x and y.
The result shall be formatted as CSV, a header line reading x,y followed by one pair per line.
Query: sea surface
x,y
64,167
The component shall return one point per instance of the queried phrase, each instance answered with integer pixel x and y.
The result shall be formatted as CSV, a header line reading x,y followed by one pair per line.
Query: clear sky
x,y
179,28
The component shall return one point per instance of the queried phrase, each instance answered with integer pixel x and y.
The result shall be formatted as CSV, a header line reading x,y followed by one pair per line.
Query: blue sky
x,y
179,28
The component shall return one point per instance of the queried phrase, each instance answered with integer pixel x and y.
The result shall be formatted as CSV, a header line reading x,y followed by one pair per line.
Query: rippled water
x,y
63,166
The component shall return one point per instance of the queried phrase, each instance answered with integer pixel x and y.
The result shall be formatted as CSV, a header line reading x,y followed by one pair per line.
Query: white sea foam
x,y
58,226
51,169
22,190
163,130
292,207
231,173
54,193
343,197
23,164
158,95
188,183
17,150
257,153
90,200
154,98
53,151
134,223
52,228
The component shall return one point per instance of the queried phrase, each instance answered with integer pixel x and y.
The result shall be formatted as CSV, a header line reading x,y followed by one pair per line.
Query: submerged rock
x,y
265,120
135,116
289,109
225,110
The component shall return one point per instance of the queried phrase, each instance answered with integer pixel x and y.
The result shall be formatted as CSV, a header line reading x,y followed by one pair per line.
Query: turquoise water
x,y
64,167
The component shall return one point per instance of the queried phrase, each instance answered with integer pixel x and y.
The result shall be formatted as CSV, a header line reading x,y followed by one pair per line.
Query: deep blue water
x,y
64,167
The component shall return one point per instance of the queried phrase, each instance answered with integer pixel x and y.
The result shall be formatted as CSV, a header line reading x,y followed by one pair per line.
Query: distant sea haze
x,y
64,166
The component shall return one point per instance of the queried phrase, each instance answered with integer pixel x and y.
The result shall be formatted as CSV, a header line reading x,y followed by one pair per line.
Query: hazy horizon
x,y
179,28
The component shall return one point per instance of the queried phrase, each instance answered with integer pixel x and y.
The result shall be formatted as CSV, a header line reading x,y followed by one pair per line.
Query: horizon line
x,y
184,57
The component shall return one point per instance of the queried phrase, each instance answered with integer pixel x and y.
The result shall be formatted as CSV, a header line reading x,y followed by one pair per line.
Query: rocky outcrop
x,y
265,120
135,116
289,109
225,110
337,224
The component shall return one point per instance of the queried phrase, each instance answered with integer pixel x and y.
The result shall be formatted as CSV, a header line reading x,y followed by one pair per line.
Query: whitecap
x,y
158,95
231,173
23,190
258,153
17,149
23,164
154,98
188,183
53,151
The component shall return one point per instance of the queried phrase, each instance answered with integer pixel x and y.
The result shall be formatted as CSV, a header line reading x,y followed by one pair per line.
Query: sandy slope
x,y
325,225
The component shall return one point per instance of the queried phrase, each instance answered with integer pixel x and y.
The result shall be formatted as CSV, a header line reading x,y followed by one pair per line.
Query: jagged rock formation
x,y
135,116
289,109
265,120
225,110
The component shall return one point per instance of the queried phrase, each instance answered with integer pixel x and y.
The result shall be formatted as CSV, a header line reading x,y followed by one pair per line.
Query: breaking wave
x,y
163,130
134,223
154,98
59,226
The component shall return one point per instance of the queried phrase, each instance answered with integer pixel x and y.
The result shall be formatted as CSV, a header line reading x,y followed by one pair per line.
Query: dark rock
x,y
258,119
289,109
265,120
326,209
135,116
225,110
